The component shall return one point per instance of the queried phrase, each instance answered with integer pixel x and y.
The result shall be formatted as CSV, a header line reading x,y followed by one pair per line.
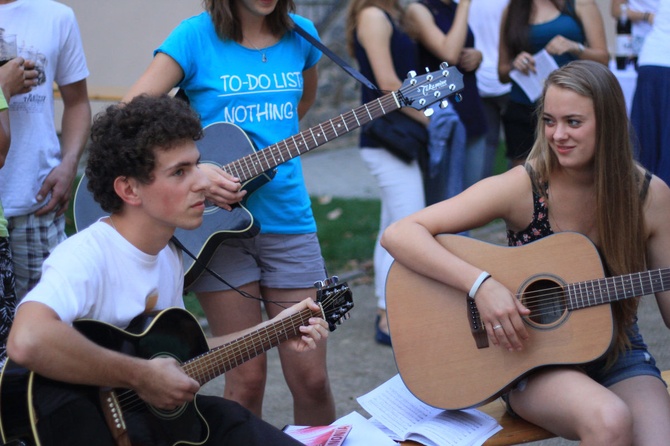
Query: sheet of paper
x,y
363,432
395,407
532,83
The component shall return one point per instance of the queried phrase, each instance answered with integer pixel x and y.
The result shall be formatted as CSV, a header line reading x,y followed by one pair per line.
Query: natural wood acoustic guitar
x,y
440,345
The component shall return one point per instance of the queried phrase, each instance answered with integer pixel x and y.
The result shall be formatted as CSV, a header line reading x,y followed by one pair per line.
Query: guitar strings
x,y
251,165
542,302
130,401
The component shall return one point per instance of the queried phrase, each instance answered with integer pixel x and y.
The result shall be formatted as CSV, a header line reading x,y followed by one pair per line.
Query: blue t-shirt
x,y
225,81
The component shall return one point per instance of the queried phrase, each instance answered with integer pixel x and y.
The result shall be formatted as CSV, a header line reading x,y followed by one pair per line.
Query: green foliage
x,y
347,230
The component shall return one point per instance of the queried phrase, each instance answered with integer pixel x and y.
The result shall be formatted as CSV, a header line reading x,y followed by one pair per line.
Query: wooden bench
x,y
515,430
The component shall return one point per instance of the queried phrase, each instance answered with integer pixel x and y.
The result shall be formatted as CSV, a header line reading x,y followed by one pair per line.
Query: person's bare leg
x,y
306,373
228,312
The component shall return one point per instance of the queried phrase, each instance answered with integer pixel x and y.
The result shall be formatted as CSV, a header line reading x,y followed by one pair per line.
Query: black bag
x,y
399,134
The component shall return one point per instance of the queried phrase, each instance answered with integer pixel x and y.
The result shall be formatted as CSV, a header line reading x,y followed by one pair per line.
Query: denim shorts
x,y
275,260
635,361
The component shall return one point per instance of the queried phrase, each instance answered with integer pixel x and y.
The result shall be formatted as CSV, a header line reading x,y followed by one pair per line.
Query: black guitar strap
x,y
218,277
335,58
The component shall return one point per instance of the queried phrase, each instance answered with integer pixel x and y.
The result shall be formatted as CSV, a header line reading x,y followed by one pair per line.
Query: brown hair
x,y
227,23
617,177
515,27
356,6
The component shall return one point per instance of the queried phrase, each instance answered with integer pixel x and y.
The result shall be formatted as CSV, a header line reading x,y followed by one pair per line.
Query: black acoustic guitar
x,y
175,333
227,146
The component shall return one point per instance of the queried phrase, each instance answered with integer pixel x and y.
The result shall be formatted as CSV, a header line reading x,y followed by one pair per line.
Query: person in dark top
x,y
442,31
567,29
385,54
580,176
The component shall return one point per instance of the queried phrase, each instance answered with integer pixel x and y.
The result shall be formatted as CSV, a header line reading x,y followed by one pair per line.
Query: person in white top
x,y
36,183
641,14
143,168
650,112
485,25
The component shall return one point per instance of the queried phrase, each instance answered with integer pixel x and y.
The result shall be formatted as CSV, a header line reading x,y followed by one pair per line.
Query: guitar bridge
x,y
114,417
476,325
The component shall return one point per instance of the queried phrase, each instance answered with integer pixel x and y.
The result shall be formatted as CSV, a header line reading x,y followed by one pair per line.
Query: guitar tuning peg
x,y
428,112
444,66
444,104
411,74
458,97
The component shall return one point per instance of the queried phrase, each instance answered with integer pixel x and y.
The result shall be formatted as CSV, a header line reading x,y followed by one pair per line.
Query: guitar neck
x,y
612,289
254,164
225,357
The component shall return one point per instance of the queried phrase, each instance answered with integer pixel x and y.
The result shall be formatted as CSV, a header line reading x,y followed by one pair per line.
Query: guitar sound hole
x,y
546,301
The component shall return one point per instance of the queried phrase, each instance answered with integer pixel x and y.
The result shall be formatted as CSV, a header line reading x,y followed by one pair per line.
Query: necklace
x,y
264,58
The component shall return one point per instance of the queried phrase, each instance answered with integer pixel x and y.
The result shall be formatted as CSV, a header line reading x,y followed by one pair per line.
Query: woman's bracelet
x,y
475,286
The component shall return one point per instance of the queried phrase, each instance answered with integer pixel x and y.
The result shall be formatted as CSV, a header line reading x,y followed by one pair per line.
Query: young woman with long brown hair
x,y
580,176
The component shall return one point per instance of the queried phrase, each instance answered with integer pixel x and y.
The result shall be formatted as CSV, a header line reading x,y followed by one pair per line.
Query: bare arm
x,y
657,215
162,75
374,34
592,22
312,334
447,47
16,77
411,241
76,125
505,58
633,14
41,342
310,83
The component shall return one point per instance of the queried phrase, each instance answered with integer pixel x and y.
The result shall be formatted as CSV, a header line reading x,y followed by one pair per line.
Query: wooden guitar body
x,y
434,347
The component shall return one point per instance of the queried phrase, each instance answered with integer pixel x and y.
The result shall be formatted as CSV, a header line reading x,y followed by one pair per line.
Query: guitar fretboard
x,y
221,359
254,164
611,289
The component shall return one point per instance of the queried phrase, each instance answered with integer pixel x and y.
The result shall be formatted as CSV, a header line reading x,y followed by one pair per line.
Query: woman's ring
x,y
526,61
497,327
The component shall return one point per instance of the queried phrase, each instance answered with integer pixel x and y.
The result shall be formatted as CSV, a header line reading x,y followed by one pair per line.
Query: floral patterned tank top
x,y
539,227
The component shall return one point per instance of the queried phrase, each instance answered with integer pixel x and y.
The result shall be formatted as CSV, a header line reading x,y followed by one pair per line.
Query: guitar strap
x,y
335,58
185,250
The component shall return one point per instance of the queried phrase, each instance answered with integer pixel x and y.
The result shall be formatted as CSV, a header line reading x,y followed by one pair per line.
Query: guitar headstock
x,y
422,91
335,299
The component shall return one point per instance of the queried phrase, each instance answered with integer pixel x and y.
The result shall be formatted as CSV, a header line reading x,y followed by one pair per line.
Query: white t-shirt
x,y
97,274
485,20
49,29
641,28
656,47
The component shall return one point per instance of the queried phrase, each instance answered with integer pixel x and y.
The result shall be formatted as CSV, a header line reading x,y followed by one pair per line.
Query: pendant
x,y
264,59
